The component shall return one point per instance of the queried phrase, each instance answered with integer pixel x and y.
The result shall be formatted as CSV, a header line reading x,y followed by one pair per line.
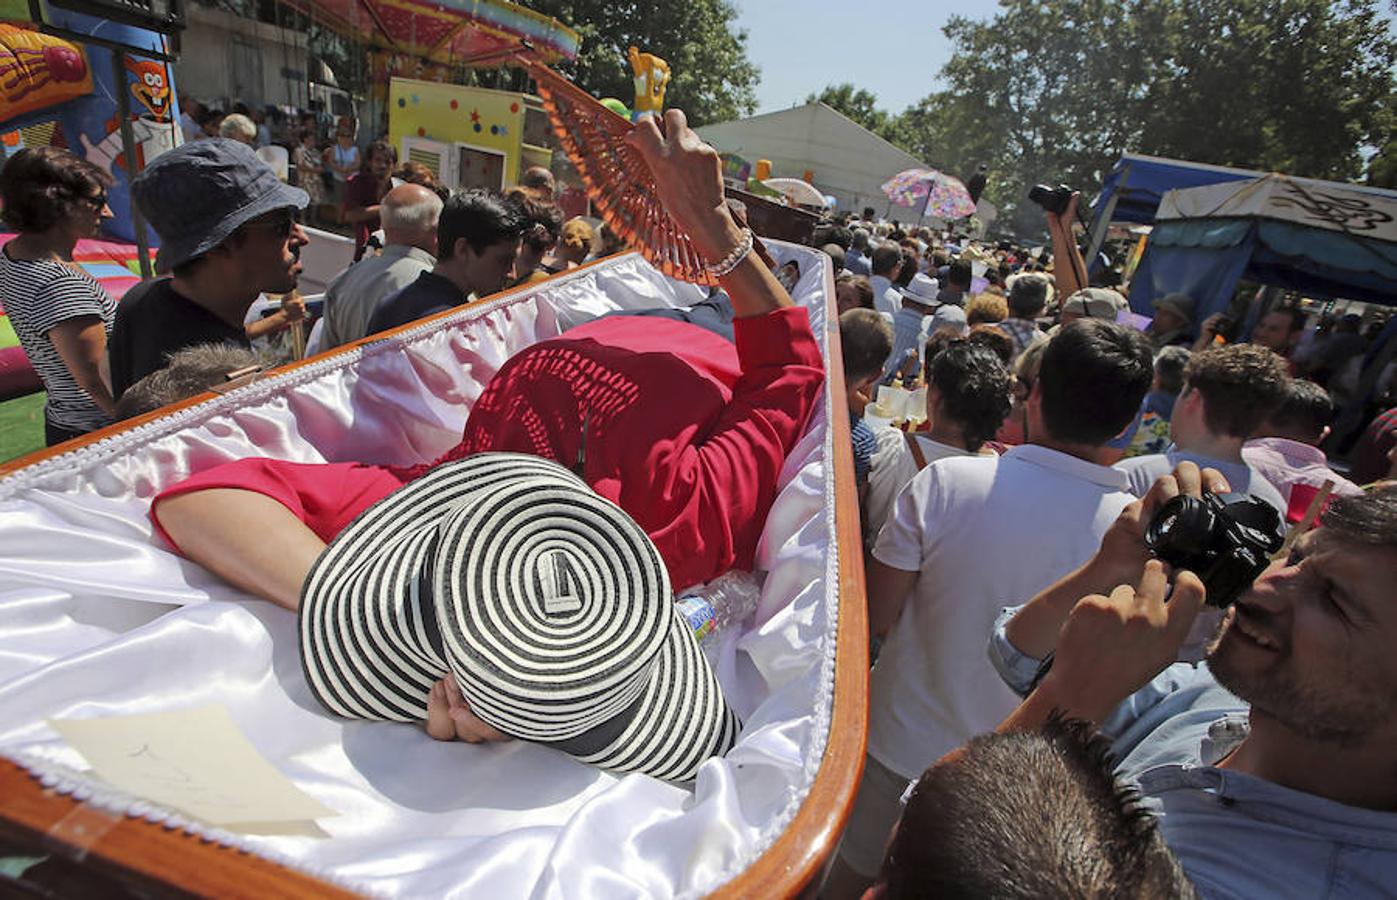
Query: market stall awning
x,y
1324,239
447,32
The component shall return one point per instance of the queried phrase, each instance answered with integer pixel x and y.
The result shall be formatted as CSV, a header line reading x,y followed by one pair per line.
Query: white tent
x,y
847,160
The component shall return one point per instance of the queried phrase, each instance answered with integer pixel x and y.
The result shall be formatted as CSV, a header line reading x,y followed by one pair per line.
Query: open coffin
x,y
98,618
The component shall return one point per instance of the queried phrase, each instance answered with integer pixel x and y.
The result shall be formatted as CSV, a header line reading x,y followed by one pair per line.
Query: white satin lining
x,y
97,618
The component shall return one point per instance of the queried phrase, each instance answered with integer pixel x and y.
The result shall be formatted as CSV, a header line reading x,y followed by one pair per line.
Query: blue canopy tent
x,y
1323,239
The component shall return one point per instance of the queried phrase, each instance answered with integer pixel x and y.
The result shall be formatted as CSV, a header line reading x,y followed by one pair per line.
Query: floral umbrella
x,y
939,194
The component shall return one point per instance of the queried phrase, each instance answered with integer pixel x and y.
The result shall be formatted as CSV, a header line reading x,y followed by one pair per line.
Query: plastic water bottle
x,y
729,599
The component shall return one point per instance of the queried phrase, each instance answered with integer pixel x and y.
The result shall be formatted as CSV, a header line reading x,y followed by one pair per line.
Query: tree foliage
x,y
713,80
1056,90
856,103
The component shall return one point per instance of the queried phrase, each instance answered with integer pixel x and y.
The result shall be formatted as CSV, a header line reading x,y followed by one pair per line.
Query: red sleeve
x,y
325,496
731,474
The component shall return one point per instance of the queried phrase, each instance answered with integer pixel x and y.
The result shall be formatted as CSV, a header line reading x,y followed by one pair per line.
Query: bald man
x,y
409,216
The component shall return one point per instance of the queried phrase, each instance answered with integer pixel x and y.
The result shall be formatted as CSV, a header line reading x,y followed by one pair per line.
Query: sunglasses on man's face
x,y
97,201
280,223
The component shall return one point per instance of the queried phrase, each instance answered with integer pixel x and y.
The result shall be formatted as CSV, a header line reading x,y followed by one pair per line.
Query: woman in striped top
x,y
59,312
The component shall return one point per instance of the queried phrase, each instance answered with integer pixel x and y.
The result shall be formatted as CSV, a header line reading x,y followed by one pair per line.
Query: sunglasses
x,y
280,224
97,201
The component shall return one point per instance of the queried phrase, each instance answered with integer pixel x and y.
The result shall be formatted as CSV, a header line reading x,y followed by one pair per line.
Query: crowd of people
x,y
231,236
1008,508
1042,721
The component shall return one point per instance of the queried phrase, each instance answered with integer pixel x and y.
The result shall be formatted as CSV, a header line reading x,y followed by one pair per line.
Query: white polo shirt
x,y
983,533
893,467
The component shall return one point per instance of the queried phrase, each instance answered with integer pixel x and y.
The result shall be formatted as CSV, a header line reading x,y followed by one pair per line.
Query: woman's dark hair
x,y
975,388
480,218
39,186
543,222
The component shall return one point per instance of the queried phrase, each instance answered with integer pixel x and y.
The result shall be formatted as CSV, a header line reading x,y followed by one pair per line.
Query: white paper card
x,y
194,760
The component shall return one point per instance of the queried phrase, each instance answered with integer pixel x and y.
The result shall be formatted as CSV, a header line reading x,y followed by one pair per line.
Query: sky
x,y
893,48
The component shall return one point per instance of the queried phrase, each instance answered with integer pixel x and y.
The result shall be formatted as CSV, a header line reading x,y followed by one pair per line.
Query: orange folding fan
x,y
617,180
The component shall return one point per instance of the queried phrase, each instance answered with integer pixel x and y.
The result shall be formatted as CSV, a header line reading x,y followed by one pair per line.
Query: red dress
x,y
686,432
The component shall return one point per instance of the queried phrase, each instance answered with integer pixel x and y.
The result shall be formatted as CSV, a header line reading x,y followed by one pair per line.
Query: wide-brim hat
x,y
1181,305
196,195
922,289
548,603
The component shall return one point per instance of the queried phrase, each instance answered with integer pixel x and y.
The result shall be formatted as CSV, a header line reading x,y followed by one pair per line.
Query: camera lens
x,y
1180,531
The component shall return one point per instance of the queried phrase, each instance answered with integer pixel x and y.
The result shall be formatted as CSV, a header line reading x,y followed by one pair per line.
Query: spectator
x,y
238,127
1280,330
856,259
886,262
364,193
1041,509
1173,320
410,214
310,171
1228,392
190,372
958,277
543,225
228,232
539,180
611,243
1333,352
993,337
950,320
1152,435
574,245
342,157
1282,746
209,122
1370,454
967,397
865,341
836,257
852,292
986,309
1014,430
60,313
918,301
189,110
1285,449
963,831
477,237
414,172
1095,303
1028,296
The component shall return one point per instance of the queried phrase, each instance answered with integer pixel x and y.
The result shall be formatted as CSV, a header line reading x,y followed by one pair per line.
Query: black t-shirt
x,y
430,293
153,321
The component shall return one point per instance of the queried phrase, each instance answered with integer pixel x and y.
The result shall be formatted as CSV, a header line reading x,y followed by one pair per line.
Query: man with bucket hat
x,y
228,232
521,585
919,300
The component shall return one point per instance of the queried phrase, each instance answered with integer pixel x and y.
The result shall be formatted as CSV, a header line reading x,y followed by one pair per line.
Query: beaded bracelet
x,y
733,259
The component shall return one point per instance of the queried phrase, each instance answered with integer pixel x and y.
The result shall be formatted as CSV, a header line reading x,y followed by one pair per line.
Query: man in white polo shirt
x,y
963,535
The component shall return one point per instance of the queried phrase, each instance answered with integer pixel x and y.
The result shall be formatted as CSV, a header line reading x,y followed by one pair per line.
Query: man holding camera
x,y
1272,767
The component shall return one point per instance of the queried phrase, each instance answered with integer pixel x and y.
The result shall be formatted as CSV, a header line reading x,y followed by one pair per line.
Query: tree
x,y
1056,90
712,78
856,103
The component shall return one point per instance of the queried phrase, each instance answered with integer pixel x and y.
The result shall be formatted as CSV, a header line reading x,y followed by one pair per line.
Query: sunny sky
x,y
893,48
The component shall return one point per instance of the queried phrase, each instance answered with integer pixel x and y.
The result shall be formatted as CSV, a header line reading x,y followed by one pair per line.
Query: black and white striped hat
x,y
548,603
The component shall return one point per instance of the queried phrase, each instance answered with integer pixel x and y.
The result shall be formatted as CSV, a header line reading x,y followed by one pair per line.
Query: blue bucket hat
x,y
196,195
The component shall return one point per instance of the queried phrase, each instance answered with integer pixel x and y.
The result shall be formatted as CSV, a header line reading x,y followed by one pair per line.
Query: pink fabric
x,y
1286,463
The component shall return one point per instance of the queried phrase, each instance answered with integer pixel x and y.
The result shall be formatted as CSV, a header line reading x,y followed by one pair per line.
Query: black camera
x,y
1225,539
1053,199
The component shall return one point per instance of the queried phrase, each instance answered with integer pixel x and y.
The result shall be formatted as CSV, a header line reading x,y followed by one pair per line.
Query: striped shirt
x,y
39,295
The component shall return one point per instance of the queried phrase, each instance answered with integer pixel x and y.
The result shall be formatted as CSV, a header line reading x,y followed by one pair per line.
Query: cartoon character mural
x,y
651,77
151,132
63,92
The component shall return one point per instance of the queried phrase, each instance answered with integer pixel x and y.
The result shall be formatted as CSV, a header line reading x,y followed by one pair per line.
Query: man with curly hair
x,y
1228,392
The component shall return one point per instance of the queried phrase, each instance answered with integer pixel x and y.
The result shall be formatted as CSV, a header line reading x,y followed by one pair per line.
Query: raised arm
x,y
689,177
1069,269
